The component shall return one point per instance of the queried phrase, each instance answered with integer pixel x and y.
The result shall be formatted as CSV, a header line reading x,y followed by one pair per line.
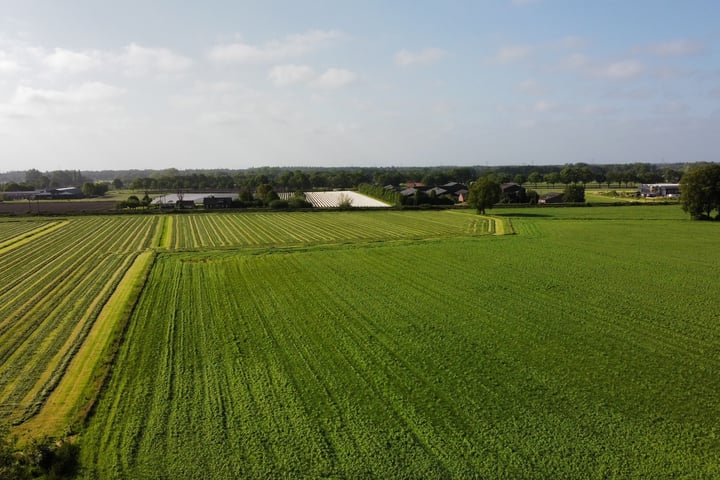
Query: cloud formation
x,y
292,46
428,56
674,48
512,53
139,60
334,78
623,70
68,61
283,75
86,93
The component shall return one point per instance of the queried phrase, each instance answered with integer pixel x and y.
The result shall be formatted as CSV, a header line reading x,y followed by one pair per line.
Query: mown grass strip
x,y
76,393
28,237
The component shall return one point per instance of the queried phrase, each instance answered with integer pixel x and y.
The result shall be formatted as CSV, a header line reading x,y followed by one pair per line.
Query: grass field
x,y
55,280
368,344
585,346
66,284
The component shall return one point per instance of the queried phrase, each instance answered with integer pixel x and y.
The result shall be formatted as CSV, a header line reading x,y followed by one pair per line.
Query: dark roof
x,y
551,195
509,186
453,187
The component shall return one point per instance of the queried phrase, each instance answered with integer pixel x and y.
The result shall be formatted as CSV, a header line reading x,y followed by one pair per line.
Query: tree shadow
x,y
529,215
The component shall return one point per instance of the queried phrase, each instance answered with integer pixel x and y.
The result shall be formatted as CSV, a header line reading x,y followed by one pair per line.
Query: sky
x,y
221,84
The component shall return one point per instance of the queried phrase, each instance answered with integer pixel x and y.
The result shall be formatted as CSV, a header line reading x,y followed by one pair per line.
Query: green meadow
x,y
577,342
584,346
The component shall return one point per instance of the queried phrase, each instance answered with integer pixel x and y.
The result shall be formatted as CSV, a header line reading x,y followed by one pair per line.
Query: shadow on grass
x,y
529,215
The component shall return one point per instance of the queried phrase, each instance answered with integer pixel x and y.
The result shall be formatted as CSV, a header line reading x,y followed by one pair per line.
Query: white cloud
x,y
92,98
531,87
62,60
292,46
542,106
85,93
572,42
512,53
679,47
334,78
428,56
139,60
576,61
8,64
623,70
283,75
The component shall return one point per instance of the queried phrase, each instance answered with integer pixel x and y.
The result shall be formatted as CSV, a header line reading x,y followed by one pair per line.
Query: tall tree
x,y
574,194
484,193
700,191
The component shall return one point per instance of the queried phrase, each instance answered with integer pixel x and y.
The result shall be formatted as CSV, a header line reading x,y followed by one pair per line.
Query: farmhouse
x,y
408,192
659,189
512,193
552,197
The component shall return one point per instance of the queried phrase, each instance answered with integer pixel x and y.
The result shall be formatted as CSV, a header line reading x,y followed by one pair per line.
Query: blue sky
x,y
231,84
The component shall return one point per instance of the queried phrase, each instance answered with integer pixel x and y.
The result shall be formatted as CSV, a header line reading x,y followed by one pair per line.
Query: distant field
x,y
232,230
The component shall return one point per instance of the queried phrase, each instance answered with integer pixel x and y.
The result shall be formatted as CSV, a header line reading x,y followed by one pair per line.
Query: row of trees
x,y
292,179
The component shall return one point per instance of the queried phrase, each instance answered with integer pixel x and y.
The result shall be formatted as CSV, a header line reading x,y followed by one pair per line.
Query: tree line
x,y
293,179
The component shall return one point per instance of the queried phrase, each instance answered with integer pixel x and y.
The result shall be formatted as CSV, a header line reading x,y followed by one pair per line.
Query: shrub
x,y
278,204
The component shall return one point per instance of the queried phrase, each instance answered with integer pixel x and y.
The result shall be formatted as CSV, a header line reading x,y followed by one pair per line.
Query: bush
x,y
40,459
297,202
344,202
278,204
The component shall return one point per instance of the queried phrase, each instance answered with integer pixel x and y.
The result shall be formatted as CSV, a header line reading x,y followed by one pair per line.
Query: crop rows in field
x,y
457,358
12,230
277,229
51,291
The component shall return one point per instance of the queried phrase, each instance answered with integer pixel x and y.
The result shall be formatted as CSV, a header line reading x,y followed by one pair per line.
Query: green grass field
x,y
585,346
367,344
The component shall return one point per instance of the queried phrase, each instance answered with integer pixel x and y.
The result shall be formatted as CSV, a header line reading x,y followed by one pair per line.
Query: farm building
x,y
552,197
189,200
512,193
659,189
66,193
